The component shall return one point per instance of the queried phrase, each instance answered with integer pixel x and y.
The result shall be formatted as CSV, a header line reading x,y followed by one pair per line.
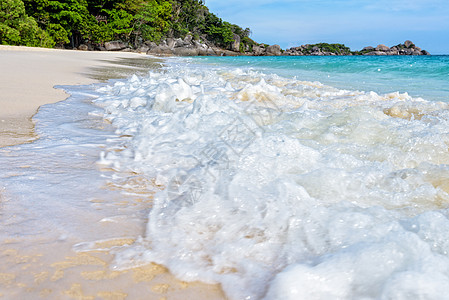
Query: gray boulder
x,y
369,48
203,49
143,49
114,46
408,44
100,48
222,52
274,50
178,43
183,51
198,44
188,39
170,43
235,46
376,53
150,45
382,47
206,52
83,47
230,53
181,43
291,52
162,50
392,52
258,50
406,51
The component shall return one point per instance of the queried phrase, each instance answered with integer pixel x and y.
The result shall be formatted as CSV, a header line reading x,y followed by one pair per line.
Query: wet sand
x,y
46,266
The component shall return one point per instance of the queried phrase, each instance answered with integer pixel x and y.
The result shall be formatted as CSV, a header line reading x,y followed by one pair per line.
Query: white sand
x,y
27,80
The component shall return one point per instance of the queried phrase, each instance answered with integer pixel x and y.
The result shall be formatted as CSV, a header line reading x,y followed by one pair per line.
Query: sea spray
x,y
286,189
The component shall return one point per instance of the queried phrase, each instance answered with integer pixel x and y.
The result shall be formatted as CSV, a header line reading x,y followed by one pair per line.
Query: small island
x,y
407,48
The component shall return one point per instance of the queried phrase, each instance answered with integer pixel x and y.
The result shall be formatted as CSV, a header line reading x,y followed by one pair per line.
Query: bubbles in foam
x,y
285,189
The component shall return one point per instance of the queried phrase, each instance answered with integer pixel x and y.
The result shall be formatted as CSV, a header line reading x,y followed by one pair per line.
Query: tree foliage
x,y
17,28
61,19
72,22
153,20
332,48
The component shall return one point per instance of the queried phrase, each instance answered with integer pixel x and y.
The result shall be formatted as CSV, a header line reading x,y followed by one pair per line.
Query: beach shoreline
x,y
29,78
45,264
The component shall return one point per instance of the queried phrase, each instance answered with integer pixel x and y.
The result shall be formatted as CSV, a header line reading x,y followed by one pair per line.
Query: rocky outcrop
x,y
115,46
186,47
181,51
409,44
407,48
161,50
376,53
382,47
273,50
259,50
235,45
146,46
194,47
83,47
318,50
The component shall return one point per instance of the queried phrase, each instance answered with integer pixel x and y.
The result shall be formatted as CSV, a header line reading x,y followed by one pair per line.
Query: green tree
x,y
152,21
98,21
119,23
188,16
63,20
17,28
218,31
119,19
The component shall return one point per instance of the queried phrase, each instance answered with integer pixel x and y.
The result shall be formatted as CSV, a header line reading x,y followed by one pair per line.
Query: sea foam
x,y
285,189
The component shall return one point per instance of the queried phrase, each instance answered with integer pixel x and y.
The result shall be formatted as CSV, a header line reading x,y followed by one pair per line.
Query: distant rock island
x,y
191,47
407,48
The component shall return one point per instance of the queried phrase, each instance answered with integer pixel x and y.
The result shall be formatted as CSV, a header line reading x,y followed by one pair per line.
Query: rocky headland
x,y
191,47
407,48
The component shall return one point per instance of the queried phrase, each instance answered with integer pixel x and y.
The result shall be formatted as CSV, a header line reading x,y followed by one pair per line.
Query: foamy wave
x,y
286,189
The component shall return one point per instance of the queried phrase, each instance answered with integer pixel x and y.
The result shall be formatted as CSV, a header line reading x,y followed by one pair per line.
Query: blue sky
x,y
355,23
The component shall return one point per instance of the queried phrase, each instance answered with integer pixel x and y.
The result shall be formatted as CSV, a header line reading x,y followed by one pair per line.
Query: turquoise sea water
x,y
293,177
419,76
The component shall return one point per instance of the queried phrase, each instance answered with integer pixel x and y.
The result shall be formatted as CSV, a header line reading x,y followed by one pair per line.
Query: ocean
x,y
276,177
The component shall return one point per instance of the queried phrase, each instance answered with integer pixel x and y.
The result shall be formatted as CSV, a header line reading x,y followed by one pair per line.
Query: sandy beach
x,y
46,266
27,80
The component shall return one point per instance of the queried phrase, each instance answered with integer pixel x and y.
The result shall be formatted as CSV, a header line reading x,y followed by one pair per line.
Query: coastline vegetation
x,y
17,28
139,23
70,23
325,47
